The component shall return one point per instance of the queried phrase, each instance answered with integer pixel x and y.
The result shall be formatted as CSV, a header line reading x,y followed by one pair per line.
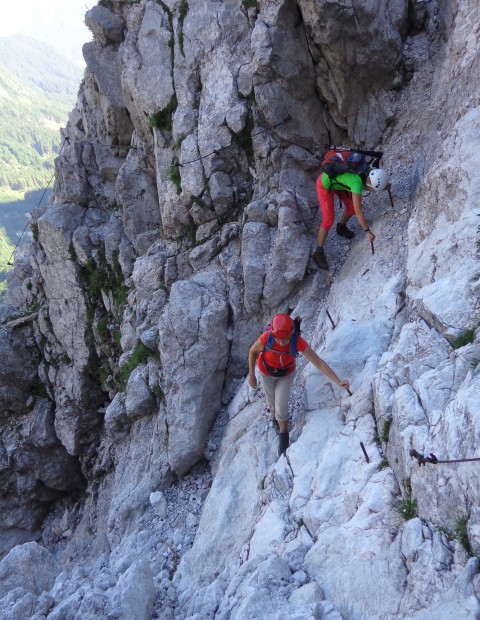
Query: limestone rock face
x,y
137,197
135,593
256,238
194,353
139,472
146,67
338,36
106,26
67,308
445,230
35,468
283,73
64,321
18,373
105,69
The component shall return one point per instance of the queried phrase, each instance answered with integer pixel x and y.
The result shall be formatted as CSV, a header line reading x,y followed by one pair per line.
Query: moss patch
x,y
140,355
163,119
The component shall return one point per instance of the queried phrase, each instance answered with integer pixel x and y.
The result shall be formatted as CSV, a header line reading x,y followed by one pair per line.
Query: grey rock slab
x,y
194,352
105,25
29,566
104,65
139,400
135,593
255,247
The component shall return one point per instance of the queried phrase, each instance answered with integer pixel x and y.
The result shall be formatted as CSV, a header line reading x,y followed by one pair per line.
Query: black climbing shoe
x,y
319,257
344,231
283,444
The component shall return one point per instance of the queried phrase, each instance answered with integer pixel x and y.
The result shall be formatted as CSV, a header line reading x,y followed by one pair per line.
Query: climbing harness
x,y
277,372
422,460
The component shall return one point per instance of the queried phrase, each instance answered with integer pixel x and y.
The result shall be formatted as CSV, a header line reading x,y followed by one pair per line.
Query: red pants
x,y
326,200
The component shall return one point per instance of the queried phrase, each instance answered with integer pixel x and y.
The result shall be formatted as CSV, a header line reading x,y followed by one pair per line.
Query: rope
x,y
118,146
38,204
287,119
65,140
108,146
222,148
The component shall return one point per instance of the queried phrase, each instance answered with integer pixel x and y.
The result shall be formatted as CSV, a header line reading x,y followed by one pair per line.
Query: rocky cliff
x,y
140,473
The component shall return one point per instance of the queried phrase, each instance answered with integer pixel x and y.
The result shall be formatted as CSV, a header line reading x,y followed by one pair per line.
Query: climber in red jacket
x,y
275,352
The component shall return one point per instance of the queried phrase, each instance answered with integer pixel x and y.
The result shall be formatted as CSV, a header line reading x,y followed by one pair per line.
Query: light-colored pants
x,y
277,392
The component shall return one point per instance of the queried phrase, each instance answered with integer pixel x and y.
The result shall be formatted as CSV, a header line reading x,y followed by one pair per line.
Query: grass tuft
x,y
466,338
174,176
407,507
140,355
163,119
460,532
386,430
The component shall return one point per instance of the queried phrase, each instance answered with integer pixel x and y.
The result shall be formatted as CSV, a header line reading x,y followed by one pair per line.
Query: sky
x,y
60,23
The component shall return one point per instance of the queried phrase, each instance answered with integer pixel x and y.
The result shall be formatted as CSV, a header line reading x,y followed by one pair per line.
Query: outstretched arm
x,y
256,348
324,367
357,205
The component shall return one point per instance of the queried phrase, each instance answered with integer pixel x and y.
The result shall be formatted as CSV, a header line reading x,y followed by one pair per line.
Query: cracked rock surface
x,y
140,473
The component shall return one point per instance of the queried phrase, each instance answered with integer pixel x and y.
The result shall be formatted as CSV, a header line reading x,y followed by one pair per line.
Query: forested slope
x,y
37,91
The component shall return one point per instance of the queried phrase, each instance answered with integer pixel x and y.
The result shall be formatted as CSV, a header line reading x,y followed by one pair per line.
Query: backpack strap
x,y
269,343
293,344
345,187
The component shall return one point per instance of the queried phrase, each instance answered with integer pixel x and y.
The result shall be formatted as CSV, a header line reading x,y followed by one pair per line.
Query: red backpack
x,y
336,162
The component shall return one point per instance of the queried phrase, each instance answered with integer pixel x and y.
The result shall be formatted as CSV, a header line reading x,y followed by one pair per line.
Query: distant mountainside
x,y
38,65
15,208
37,90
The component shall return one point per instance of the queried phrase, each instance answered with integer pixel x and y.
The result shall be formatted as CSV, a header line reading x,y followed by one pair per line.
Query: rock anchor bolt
x,y
422,460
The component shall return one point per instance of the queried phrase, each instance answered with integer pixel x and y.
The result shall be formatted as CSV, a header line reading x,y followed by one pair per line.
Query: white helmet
x,y
378,179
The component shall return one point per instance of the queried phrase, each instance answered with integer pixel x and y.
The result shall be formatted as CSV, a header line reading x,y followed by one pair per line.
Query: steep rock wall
x,y
183,216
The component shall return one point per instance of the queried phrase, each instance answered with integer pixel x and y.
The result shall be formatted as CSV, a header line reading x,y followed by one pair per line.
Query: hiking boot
x,y
319,257
283,443
344,231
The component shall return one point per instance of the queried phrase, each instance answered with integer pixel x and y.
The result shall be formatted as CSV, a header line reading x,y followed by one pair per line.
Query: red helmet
x,y
282,326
